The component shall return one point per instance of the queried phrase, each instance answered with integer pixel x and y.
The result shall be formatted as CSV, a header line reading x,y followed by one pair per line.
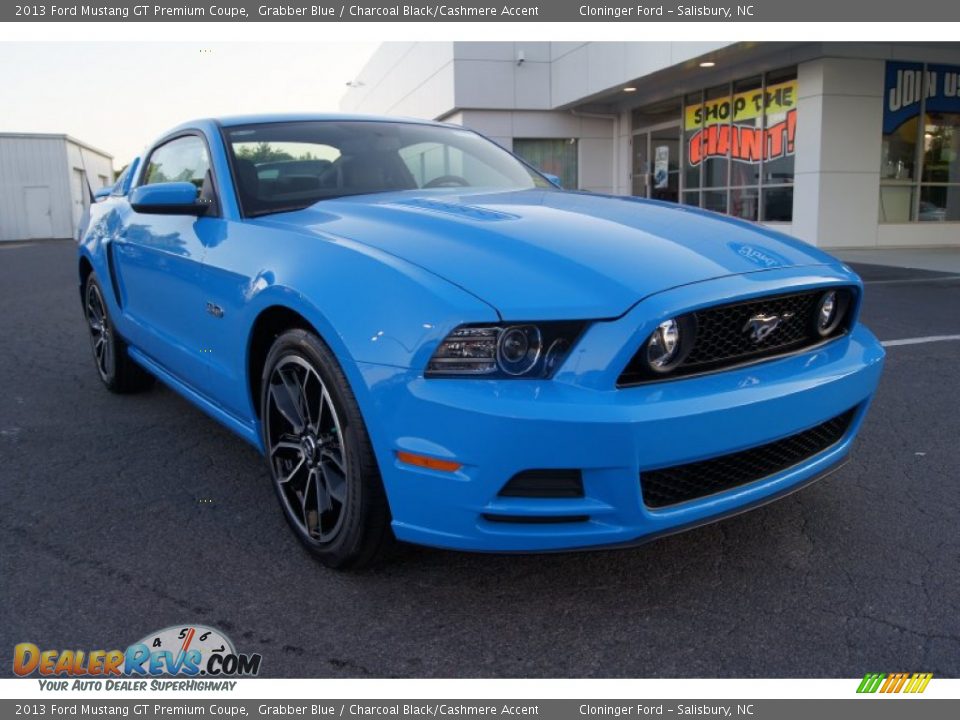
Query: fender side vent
x,y
544,484
111,268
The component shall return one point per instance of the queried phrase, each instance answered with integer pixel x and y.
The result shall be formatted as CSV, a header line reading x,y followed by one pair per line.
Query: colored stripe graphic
x,y
919,682
894,683
870,682
895,686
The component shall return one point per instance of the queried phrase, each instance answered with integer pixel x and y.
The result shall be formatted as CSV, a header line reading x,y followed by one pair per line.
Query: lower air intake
x,y
680,483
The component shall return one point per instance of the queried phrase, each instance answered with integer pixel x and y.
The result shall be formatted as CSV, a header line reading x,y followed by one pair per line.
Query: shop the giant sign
x,y
905,87
731,126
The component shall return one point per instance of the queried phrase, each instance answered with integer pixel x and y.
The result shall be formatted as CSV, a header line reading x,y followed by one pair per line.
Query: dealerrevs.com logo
x,y
182,651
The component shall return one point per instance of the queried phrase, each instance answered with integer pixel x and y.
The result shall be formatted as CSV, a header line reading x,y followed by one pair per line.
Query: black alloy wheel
x,y
323,468
117,371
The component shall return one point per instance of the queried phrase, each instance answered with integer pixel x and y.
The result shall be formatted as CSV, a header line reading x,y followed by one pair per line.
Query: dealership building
x,y
853,145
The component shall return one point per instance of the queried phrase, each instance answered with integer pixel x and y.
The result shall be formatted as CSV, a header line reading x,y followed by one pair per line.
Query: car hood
x,y
546,255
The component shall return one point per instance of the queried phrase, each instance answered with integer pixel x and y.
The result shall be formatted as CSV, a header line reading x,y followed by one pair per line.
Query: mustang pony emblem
x,y
760,326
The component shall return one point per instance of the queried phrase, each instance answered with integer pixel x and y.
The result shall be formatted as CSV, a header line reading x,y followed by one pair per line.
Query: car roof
x,y
235,120
210,124
301,117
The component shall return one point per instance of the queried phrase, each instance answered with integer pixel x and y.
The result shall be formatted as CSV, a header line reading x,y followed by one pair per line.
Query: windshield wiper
x,y
272,211
292,208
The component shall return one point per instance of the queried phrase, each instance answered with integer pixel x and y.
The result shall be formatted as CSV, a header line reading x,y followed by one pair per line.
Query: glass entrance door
x,y
641,164
665,152
656,162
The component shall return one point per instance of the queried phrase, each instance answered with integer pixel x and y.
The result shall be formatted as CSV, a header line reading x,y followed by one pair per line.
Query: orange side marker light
x,y
425,461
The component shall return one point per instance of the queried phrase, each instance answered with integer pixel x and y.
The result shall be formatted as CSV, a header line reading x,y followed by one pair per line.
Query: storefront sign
x,y
749,105
744,143
905,86
731,127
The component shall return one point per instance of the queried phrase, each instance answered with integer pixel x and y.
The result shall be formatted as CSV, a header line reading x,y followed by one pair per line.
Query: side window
x,y
123,182
182,160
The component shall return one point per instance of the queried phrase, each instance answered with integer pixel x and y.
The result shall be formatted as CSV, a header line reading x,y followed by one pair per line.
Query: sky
x,y
120,96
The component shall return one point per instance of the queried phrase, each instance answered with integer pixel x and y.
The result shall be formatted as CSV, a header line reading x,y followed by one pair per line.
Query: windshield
x,y
288,166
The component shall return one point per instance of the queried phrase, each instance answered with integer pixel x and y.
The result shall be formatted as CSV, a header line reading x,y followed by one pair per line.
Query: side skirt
x,y
246,430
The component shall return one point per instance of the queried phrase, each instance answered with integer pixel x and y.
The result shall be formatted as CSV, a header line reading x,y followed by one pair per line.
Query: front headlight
x,y
664,345
832,311
523,350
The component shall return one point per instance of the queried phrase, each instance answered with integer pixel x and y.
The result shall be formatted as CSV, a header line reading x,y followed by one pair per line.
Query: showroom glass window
x,y
738,146
739,139
920,152
556,157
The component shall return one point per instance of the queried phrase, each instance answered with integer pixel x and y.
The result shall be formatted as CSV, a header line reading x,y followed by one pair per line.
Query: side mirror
x,y
169,198
102,194
554,180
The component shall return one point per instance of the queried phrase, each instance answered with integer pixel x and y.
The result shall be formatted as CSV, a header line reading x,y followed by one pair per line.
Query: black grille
x,y
677,484
722,334
544,484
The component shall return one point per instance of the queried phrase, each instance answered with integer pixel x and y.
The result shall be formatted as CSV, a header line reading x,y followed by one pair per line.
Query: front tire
x,y
319,453
117,371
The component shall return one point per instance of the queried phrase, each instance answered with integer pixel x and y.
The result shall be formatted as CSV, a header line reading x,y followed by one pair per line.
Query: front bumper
x,y
580,421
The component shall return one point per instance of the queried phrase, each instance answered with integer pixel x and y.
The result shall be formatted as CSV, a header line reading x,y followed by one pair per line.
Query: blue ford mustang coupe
x,y
428,340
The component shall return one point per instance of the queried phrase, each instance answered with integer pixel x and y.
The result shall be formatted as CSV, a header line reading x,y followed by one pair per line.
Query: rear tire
x,y
319,454
117,371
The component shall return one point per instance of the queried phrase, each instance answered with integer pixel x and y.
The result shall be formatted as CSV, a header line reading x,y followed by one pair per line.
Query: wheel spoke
x,y
324,504
100,351
335,483
328,420
285,445
94,313
287,404
332,456
312,417
308,510
296,390
284,480
108,359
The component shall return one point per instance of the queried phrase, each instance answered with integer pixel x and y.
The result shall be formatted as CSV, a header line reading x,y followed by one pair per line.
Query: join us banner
x,y
907,83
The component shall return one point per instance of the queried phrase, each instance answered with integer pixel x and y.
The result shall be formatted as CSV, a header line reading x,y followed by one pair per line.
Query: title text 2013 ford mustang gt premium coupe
x,y
428,340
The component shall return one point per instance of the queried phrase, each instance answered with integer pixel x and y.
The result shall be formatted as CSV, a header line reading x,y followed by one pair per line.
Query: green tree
x,y
261,153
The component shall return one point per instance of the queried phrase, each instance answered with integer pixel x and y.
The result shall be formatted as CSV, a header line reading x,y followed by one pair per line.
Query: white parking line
x,y
919,340
911,281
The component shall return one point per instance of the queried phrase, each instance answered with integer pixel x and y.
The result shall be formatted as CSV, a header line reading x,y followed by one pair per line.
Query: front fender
x,y
368,306
93,246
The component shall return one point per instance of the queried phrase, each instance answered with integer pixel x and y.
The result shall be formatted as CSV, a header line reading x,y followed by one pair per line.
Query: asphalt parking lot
x,y
106,536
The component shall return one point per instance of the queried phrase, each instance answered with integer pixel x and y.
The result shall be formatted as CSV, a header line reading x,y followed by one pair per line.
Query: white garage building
x,y
43,189
853,145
